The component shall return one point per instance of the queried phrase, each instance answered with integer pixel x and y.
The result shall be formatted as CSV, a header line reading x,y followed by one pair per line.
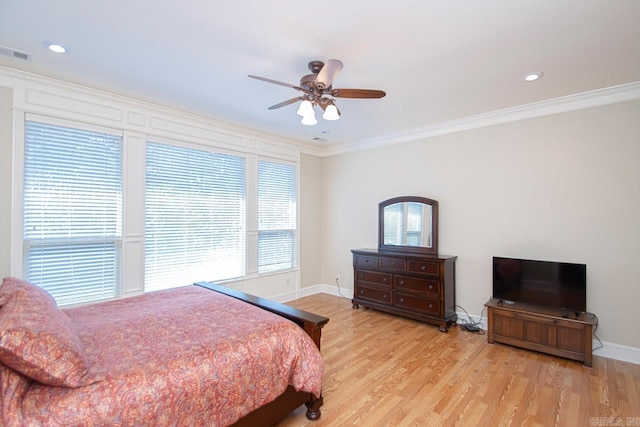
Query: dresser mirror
x,y
408,224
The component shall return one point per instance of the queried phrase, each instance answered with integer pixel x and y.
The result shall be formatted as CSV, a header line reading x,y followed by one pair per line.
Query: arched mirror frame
x,y
433,249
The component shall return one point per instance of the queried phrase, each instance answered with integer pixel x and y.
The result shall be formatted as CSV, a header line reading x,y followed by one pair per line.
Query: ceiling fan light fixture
x,y
331,113
305,109
309,119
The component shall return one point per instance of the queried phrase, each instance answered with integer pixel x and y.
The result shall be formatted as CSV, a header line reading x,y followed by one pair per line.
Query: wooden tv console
x,y
547,330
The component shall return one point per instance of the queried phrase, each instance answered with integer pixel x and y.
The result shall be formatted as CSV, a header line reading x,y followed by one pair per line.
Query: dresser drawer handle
x,y
384,296
366,260
361,291
401,299
402,282
430,286
384,280
362,276
430,305
424,267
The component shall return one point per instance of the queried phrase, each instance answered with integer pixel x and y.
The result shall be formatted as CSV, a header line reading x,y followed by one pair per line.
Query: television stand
x,y
545,329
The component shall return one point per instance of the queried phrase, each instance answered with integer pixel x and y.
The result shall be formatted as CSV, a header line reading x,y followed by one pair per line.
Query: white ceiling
x,y
438,60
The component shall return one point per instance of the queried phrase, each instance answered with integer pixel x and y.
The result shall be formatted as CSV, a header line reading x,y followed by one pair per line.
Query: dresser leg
x,y
354,304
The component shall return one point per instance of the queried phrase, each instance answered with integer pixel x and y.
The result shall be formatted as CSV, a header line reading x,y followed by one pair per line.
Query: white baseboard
x,y
608,349
618,352
325,289
311,290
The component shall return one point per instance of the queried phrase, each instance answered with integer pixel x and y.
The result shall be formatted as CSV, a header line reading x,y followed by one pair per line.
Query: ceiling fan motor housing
x,y
308,82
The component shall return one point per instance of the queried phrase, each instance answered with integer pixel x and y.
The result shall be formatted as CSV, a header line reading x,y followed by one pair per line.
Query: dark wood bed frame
x,y
291,399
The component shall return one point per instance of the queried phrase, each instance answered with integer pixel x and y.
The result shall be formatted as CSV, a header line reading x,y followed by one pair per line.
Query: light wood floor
x,y
383,370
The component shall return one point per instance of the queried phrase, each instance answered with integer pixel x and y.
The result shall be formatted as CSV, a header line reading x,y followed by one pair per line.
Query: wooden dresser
x,y
418,286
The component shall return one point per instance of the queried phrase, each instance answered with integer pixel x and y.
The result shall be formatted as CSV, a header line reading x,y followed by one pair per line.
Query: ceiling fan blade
x,y
328,73
264,79
357,93
287,102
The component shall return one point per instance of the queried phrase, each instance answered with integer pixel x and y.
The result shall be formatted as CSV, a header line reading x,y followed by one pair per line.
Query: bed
x,y
196,355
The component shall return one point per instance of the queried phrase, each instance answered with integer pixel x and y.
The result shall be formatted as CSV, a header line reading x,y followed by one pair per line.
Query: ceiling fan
x,y
317,89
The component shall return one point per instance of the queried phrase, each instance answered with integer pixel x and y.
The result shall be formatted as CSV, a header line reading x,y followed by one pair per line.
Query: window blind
x,y
276,216
72,212
195,216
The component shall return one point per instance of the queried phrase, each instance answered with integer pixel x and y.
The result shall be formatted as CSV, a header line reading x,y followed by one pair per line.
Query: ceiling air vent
x,y
4,50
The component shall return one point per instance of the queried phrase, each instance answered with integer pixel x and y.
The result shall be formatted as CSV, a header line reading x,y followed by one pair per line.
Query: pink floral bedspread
x,y
183,357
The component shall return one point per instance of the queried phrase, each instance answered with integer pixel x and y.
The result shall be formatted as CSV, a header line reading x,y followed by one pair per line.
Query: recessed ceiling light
x,y
532,77
55,47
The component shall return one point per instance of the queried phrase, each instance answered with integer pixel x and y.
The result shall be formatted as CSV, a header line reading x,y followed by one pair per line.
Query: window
x,y
276,216
195,219
72,212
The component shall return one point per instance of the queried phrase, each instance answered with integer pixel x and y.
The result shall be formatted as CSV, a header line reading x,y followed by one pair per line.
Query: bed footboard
x,y
312,324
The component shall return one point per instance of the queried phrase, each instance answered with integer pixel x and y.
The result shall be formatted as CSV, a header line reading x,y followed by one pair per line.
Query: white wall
x,y
563,187
6,126
310,220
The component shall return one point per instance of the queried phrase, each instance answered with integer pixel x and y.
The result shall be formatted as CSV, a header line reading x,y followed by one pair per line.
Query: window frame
x,y
212,150
295,255
22,244
78,107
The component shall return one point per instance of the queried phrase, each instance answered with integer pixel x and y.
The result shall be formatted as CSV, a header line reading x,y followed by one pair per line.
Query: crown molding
x,y
594,98
23,81
626,92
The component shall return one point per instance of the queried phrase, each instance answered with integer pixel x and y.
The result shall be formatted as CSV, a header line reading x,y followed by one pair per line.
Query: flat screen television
x,y
553,284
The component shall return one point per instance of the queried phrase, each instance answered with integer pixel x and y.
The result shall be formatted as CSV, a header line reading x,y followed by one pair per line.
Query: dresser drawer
x,y
366,261
382,296
393,264
374,277
424,267
427,287
416,303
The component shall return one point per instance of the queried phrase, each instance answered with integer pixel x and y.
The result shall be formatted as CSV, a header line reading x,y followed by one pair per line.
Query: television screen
x,y
555,284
